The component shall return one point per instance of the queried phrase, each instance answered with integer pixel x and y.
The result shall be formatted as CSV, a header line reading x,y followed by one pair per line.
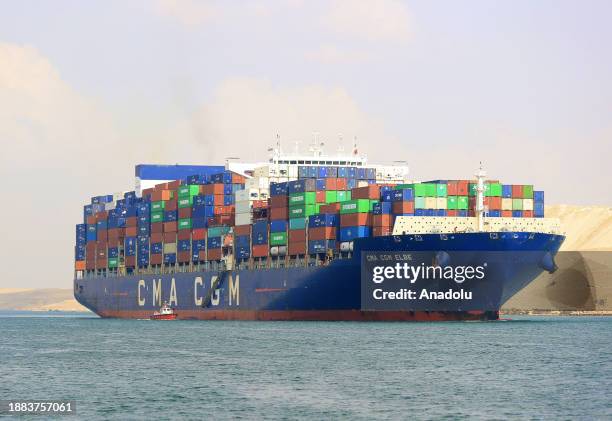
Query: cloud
x,y
378,20
188,12
244,116
330,54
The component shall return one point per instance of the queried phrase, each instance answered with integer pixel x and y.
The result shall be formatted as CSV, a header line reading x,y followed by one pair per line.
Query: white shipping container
x,y
441,203
431,203
506,204
528,204
243,207
293,171
243,218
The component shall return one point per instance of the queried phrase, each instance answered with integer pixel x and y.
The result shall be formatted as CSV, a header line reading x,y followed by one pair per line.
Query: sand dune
x,y
39,299
586,227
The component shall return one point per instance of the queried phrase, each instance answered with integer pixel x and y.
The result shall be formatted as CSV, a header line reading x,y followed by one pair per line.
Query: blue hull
x,y
333,291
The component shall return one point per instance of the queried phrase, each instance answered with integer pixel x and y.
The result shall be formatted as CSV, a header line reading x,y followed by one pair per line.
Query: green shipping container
x,y
184,223
420,190
343,196
451,202
185,202
331,196
419,202
462,202
297,223
112,262
517,204
441,190
158,206
527,191
278,238
218,231
308,198
403,186
474,189
188,190
357,206
301,211
431,189
494,190
157,216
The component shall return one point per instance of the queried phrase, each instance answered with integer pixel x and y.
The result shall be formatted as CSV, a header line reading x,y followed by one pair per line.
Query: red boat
x,y
165,313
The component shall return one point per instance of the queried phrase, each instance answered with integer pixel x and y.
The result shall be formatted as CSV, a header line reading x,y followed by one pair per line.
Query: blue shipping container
x,y
350,233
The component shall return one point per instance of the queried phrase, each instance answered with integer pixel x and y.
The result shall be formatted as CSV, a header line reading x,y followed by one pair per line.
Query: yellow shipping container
x,y
506,204
431,203
441,203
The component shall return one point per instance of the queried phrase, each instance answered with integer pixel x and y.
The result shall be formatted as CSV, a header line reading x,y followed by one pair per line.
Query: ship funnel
x,y
548,263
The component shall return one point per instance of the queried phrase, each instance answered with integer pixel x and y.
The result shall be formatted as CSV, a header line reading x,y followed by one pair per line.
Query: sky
x,y
90,89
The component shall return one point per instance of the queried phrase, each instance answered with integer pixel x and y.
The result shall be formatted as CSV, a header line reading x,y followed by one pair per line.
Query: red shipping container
x,y
297,236
202,255
90,264
320,196
451,212
297,248
90,249
258,204
173,185
218,200
130,261
238,179
147,192
517,191
157,237
494,203
157,227
156,259
331,208
277,201
472,202
199,234
171,205
331,184
221,220
260,250
341,184
279,213
101,216
102,235
403,207
382,231
462,188
184,234
322,233
170,226
214,254
216,188
160,194
169,237
184,213
371,191
242,229
101,263
131,231
506,214
91,219
382,220
527,214
131,221
354,219
183,256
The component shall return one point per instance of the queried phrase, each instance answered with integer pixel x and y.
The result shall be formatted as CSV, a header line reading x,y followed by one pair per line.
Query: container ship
x,y
294,238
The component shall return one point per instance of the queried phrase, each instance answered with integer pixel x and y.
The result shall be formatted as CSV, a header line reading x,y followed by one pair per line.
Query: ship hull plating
x,y
328,292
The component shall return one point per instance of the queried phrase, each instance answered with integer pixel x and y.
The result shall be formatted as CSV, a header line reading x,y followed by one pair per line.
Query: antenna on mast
x,y
355,151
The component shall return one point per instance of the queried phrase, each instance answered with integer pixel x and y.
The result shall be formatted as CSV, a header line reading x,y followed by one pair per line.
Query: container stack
x,y
200,218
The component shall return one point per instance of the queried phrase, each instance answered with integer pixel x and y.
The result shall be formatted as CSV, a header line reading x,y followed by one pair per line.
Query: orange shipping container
x,y
371,191
216,188
322,233
79,265
297,248
260,250
199,234
354,219
320,196
214,254
159,194
341,184
381,231
331,184
384,220
403,207
297,236
91,219
170,226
